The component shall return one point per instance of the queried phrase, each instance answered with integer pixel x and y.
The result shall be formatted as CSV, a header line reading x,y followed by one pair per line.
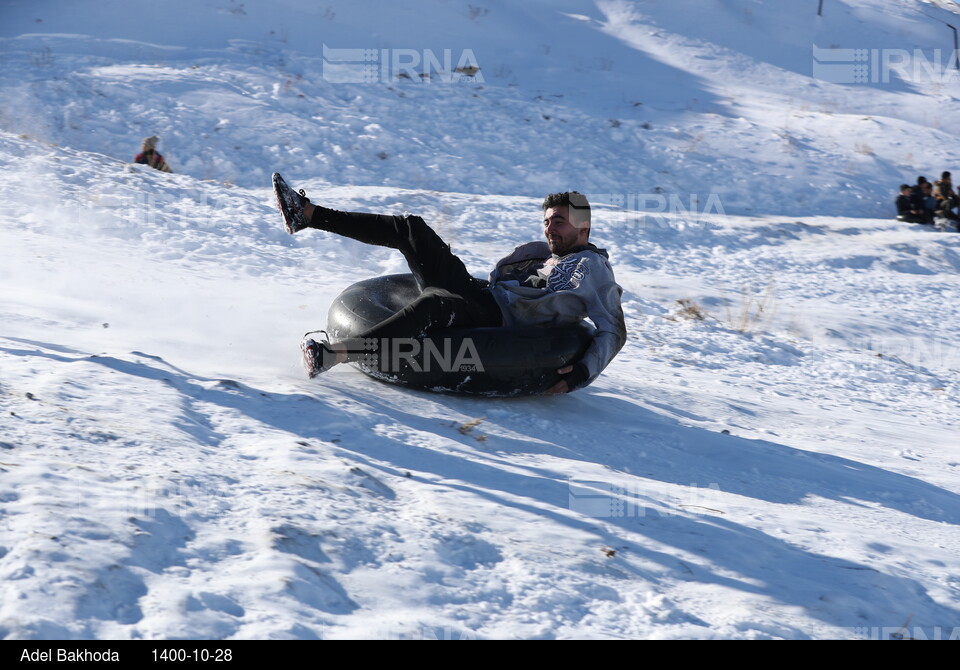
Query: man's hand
x,y
572,377
561,386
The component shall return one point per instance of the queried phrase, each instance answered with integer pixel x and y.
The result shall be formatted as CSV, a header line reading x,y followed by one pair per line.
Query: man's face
x,y
563,234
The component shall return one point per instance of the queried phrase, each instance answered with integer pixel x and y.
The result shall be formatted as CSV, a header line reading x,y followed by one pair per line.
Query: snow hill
x,y
772,455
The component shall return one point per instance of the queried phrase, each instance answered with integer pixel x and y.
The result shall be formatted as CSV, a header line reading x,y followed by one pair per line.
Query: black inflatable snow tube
x,y
484,361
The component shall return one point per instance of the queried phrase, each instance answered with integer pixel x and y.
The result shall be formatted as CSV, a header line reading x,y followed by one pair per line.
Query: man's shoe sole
x,y
289,204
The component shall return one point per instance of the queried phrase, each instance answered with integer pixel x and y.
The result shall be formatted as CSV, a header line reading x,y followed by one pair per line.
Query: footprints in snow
x,y
212,601
467,551
309,583
372,484
299,542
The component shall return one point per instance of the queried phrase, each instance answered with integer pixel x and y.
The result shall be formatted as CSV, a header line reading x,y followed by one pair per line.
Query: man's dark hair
x,y
576,202
945,175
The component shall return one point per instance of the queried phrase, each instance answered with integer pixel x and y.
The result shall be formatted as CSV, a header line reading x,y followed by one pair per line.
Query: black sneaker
x,y
317,356
290,204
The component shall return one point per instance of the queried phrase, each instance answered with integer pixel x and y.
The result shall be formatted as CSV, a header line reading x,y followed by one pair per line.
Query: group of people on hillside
x,y
936,204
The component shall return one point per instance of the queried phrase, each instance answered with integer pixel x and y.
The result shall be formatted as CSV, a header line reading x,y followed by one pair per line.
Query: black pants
x,y
916,218
449,298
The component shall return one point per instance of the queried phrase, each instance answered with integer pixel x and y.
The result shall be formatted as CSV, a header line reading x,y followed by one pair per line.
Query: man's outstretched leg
x,y
432,310
450,296
428,257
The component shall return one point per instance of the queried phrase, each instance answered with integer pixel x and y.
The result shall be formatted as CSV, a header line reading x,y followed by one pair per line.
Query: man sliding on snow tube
x,y
552,283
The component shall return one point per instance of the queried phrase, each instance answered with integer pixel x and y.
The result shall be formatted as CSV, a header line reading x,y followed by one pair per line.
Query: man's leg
x,y
428,257
437,308
433,310
450,297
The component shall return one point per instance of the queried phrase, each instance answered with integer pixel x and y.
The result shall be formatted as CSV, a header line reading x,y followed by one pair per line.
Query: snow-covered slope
x,y
707,97
773,453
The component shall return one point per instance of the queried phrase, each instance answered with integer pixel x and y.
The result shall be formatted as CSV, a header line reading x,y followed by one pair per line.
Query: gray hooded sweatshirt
x,y
534,287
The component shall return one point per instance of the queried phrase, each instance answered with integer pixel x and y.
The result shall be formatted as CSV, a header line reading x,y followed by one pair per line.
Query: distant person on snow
x,y
149,156
918,191
907,208
926,203
946,196
555,282
946,200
